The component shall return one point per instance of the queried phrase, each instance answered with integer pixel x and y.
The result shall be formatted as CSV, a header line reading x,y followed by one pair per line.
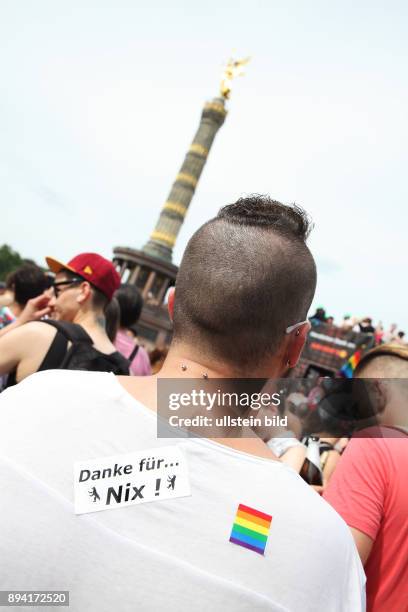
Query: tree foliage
x,y
10,260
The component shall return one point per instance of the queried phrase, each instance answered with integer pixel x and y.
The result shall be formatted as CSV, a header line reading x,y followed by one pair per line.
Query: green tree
x,y
9,261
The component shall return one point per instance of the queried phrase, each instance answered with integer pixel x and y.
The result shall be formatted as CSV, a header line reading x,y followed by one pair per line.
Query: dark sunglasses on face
x,y
68,283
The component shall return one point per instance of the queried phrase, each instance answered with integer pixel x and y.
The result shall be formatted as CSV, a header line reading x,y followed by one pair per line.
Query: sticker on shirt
x,y
134,478
251,529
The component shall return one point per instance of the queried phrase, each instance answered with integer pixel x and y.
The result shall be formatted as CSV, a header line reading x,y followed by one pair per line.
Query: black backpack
x,y
81,355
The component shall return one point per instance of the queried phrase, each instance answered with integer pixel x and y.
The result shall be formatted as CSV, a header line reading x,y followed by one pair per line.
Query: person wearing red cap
x,y
81,291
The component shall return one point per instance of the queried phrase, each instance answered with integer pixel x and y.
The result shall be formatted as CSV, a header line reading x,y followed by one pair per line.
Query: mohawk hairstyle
x,y
259,210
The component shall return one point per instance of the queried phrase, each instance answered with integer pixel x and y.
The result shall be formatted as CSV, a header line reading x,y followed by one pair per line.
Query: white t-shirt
x,y
170,555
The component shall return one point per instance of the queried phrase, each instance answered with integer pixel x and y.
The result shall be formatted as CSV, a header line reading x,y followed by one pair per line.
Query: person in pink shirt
x,y
131,304
369,487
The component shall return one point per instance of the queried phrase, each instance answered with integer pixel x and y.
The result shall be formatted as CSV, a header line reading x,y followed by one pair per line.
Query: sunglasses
x,y
67,284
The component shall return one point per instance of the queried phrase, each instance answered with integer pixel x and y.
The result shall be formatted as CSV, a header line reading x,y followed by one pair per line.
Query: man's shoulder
x,y
36,329
376,443
52,389
53,379
297,501
53,407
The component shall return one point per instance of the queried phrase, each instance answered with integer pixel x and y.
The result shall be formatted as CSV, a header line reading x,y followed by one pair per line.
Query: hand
x,y
35,309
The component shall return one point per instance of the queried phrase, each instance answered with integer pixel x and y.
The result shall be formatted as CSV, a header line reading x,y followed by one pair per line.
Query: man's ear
x,y
85,294
296,342
381,391
170,302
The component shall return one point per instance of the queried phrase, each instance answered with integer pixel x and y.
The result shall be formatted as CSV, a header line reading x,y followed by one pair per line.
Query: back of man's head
x,y
130,303
384,371
246,275
27,282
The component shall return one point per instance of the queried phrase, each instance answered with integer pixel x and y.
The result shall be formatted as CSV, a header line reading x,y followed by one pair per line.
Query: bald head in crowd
x,y
386,370
385,361
245,277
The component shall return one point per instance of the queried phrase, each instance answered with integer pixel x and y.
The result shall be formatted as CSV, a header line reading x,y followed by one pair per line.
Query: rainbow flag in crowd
x,y
251,529
347,370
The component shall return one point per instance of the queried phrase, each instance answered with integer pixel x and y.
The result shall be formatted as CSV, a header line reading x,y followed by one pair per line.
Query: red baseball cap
x,y
94,268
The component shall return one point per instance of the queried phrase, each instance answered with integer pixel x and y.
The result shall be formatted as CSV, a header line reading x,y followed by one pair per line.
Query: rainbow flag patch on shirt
x,y
251,529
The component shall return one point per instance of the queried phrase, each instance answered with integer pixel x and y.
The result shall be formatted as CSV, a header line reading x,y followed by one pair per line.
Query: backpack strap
x,y
72,331
55,354
133,354
58,352
75,334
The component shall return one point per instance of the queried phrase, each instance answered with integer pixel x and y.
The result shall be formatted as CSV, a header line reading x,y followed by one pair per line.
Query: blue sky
x,y
99,102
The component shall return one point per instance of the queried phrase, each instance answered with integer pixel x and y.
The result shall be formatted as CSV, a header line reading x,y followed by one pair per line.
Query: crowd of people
x,y
41,318
348,509
31,294
365,325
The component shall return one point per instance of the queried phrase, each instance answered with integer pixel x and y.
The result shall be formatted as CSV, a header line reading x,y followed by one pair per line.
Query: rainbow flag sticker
x,y
251,529
348,368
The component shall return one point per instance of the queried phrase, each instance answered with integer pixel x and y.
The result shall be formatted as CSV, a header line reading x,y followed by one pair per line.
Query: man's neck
x,y
90,319
94,324
183,363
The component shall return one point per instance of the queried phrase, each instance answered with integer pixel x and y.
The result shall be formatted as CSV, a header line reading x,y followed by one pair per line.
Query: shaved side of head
x,y
245,276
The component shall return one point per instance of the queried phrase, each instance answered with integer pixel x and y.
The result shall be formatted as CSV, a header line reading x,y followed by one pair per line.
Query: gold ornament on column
x,y
233,69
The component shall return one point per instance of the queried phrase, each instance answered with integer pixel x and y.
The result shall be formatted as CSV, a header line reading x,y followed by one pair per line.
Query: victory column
x,y
151,268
